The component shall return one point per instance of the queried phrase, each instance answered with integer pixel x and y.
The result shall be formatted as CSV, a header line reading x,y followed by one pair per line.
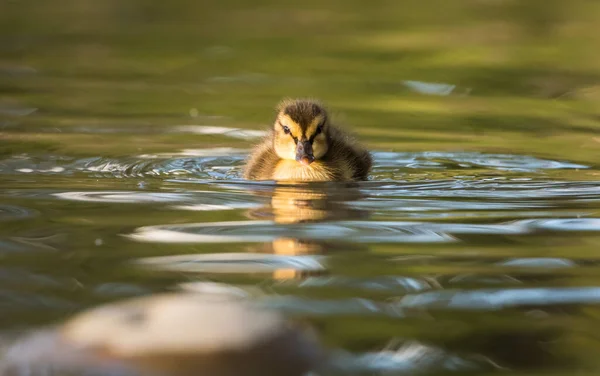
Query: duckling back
x,y
262,161
354,160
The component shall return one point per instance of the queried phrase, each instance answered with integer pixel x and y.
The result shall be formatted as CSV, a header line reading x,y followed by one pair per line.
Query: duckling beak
x,y
304,152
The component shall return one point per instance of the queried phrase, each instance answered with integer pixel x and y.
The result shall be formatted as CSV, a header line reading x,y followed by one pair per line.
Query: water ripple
x,y
195,200
266,231
351,231
123,196
225,163
493,299
408,357
539,262
213,164
334,307
233,263
564,224
468,160
396,284
240,133
505,189
12,213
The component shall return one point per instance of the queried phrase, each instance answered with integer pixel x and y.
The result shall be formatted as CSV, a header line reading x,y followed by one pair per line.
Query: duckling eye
x,y
286,130
319,130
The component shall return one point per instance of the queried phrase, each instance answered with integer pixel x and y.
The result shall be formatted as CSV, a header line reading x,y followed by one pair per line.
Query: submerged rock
x,y
170,334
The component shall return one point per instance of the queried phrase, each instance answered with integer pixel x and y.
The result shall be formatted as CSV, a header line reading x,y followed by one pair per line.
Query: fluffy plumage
x,y
304,146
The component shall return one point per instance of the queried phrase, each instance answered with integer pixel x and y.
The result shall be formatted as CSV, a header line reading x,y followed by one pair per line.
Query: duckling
x,y
304,146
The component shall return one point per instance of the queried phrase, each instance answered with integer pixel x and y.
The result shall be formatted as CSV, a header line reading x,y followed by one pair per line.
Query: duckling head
x,y
300,131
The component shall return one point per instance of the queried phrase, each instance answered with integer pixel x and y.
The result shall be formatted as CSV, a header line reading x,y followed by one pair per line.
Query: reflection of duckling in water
x,y
304,146
172,334
303,204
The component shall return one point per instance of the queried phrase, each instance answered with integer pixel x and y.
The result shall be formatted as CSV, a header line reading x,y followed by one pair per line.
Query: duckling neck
x,y
291,170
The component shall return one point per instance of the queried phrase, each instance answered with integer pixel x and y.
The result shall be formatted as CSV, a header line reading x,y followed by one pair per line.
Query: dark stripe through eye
x,y
285,128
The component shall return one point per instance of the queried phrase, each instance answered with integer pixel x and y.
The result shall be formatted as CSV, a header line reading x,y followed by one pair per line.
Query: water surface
x,y
472,248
